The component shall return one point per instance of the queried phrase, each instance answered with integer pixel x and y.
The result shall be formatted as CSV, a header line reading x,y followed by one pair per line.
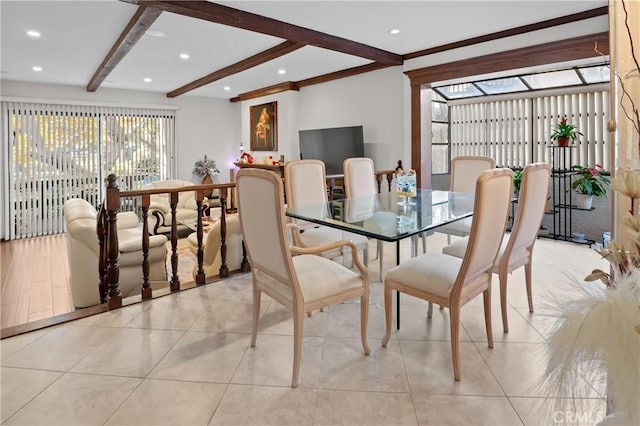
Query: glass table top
x,y
387,216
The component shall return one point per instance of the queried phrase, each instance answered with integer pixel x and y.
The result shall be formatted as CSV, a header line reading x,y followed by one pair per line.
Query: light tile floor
x,y
185,359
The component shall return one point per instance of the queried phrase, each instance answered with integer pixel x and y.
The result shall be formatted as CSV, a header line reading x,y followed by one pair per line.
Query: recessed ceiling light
x,y
156,33
184,56
33,33
147,80
282,71
227,88
394,31
37,69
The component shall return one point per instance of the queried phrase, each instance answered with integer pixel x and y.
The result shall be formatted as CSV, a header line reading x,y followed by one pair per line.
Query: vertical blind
x,y
57,152
517,132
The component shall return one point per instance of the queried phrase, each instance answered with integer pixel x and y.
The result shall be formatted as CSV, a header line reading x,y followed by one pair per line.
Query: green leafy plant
x,y
565,130
591,181
517,181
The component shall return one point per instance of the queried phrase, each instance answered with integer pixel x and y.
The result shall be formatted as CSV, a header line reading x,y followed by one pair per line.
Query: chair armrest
x,y
127,220
295,234
162,207
332,246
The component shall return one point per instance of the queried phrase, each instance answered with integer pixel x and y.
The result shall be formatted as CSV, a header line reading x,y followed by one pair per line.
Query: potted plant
x,y
565,132
590,183
517,181
206,170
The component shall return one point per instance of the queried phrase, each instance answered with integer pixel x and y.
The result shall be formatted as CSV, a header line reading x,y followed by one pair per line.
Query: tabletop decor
x,y
565,132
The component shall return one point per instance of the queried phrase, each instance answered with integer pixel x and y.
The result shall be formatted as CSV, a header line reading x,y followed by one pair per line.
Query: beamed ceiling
x,y
242,45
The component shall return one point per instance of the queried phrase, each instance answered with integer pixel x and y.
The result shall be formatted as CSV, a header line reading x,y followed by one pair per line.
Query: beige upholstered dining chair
x,y
359,181
450,281
517,248
301,283
305,183
464,173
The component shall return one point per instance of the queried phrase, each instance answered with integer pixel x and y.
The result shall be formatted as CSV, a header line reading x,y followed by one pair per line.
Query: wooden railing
x,y
107,233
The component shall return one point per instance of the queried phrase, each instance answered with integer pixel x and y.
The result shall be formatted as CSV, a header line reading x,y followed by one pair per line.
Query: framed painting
x,y
263,132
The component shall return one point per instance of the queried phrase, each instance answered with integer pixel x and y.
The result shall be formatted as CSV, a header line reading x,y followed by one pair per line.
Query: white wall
x,y
203,125
374,100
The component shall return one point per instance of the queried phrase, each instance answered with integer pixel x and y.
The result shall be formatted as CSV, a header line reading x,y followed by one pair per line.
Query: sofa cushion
x,y
132,241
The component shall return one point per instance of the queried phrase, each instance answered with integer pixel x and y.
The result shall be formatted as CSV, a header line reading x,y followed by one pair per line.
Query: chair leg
x,y
527,277
298,320
454,322
388,307
424,242
365,256
256,315
448,238
502,276
364,320
430,310
486,298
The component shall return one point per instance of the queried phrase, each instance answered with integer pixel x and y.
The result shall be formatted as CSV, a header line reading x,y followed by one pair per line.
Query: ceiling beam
x,y
296,85
341,74
591,13
137,26
548,53
261,24
250,62
265,91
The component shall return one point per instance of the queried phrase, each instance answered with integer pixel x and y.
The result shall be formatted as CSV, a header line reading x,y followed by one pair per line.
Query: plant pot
x,y
583,201
563,141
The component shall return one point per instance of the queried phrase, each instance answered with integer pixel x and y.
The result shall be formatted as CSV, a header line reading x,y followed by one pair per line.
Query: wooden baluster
x,y
244,265
224,270
113,268
146,287
200,277
175,281
102,254
389,179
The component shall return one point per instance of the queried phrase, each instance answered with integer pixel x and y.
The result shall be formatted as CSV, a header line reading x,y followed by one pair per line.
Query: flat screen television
x,y
332,146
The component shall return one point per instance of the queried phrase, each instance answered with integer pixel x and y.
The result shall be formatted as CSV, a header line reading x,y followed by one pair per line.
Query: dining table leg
x,y
397,292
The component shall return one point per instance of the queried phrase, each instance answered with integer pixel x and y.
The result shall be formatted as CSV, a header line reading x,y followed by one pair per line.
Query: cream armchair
x,y
159,218
212,258
83,251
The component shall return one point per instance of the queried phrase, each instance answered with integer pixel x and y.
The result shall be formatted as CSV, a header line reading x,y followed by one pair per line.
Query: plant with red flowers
x,y
591,181
565,130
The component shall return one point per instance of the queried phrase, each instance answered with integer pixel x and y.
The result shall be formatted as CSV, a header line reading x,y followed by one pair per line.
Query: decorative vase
x,y
583,201
563,141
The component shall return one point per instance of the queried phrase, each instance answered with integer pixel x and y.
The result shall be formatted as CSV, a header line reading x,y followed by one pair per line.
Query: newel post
x,y
113,268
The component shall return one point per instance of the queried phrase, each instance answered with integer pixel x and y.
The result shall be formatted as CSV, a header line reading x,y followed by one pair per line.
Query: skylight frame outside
x,y
583,81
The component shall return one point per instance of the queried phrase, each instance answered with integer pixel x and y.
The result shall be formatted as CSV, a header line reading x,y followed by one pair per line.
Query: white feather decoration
x,y
596,339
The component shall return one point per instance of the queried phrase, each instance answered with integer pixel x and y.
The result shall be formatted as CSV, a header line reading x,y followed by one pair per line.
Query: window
x,y
57,152
439,134
516,132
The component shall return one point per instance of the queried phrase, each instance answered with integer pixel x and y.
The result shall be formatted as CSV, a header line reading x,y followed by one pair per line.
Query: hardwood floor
x,y
35,279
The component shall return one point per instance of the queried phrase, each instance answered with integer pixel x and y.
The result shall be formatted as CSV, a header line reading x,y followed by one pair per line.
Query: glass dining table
x,y
390,217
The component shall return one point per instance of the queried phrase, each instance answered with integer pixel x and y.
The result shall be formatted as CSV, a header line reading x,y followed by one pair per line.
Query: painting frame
x,y
263,127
